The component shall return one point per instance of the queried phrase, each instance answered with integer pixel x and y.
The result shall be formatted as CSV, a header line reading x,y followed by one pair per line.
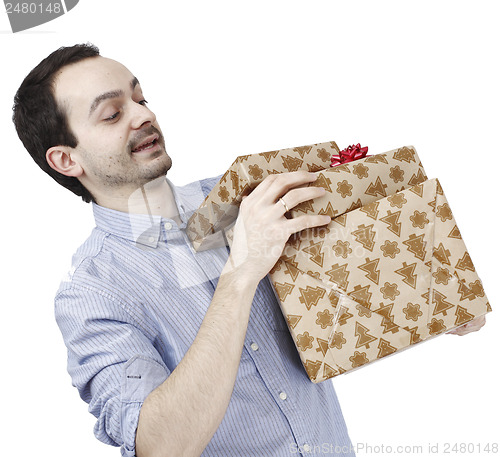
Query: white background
x,y
227,78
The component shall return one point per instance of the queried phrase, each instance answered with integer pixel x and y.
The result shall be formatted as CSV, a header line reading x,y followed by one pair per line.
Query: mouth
x,y
148,143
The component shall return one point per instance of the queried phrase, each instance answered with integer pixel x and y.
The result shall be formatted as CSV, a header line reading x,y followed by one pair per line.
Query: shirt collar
x,y
143,229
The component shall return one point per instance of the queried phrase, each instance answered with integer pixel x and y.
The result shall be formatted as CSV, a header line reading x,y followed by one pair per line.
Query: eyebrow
x,y
111,94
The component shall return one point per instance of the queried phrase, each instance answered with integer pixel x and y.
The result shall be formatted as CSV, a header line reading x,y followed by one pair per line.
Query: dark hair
x,y
40,122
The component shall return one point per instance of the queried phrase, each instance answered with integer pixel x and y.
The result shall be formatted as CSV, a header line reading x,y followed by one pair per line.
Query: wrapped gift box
x,y
220,208
377,280
389,271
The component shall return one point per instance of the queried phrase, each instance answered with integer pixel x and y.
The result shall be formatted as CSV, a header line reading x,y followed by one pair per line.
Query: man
x,y
172,359
176,352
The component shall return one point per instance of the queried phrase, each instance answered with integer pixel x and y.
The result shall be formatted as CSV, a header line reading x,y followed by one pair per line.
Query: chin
x,y
159,168
167,163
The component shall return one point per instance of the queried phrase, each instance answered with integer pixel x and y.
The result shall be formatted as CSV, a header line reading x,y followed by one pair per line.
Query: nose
x,y
141,115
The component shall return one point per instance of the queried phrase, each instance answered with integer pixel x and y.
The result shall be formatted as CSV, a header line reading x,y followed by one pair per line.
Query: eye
x,y
143,102
113,117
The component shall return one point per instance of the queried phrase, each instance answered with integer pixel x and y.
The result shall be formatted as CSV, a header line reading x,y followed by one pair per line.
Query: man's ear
x,y
60,159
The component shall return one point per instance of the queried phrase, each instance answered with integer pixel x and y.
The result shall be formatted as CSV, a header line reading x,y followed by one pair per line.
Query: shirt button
x,y
306,447
283,395
151,239
168,225
254,346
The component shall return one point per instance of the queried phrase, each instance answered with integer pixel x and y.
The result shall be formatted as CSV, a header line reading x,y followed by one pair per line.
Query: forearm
x,y
180,416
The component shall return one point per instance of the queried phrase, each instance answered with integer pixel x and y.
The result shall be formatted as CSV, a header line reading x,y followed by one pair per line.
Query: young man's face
x,y
120,145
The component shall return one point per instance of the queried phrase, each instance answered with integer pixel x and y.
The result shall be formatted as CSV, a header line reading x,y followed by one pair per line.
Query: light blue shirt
x,y
130,309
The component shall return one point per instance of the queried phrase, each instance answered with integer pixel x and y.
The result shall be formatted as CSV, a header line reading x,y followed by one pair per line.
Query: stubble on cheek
x,y
124,170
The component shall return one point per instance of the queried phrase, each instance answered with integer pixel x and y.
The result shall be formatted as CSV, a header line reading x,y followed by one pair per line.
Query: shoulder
x,y
88,264
193,194
208,184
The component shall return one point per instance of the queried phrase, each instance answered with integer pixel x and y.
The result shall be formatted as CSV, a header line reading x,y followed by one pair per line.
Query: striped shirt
x,y
130,308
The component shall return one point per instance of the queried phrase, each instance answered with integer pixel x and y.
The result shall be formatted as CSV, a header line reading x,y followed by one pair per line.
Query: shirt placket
x,y
265,354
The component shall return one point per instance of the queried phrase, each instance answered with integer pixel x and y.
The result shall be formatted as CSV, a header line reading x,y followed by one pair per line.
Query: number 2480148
x,y
33,8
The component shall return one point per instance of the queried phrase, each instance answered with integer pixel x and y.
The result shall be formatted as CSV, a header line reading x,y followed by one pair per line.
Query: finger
x,y
475,324
304,222
269,190
262,187
295,196
472,326
481,320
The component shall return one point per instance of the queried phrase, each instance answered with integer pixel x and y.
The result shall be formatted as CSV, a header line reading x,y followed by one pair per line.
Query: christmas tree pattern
x,y
315,252
465,292
392,221
405,154
312,367
416,245
407,271
370,267
323,181
291,267
377,188
385,348
283,290
361,295
365,235
371,210
417,179
270,155
293,320
339,274
311,295
292,163
329,211
379,158
303,150
455,233
364,338
442,306
462,316
465,263
322,346
442,254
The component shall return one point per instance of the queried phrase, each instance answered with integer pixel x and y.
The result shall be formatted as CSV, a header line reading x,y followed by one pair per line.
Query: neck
x,y
154,198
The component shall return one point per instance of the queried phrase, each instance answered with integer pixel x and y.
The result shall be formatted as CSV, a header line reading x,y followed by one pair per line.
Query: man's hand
x,y
261,229
472,326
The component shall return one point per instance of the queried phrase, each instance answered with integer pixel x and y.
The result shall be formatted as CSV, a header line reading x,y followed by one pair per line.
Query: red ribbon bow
x,y
353,152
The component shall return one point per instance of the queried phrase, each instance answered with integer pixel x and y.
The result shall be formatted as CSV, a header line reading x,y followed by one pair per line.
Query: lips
x,y
147,143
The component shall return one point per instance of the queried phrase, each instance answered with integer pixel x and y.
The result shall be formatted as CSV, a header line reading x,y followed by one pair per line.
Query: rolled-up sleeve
x,y
111,359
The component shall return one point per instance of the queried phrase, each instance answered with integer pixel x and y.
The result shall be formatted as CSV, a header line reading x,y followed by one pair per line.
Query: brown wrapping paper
x,y
359,290
220,208
389,271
